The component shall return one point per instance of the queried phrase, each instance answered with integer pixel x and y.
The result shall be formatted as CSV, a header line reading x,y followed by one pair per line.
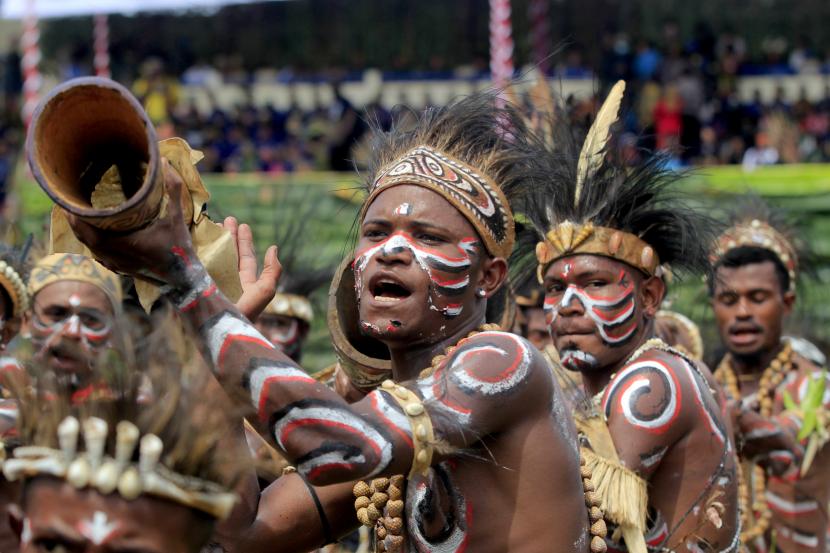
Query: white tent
x,y
16,9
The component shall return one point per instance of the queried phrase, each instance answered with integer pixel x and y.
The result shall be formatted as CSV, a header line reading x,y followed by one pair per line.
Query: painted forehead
x,y
75,294
421,203
574,265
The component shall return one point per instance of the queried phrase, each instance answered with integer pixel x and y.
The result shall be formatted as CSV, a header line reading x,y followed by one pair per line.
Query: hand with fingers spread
x,y
257,291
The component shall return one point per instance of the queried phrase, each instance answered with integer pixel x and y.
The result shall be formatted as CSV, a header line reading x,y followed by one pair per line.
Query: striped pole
x,y
101,32
32,80
501,43
540,33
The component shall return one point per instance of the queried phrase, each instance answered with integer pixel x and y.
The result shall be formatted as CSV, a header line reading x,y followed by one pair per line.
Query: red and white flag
x,y
101,34
30,61
501,43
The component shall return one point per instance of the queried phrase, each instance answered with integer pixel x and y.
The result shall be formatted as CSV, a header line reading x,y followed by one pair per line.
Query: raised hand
x,y
257,291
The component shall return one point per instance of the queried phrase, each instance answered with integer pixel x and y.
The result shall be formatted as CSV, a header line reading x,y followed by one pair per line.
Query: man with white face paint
x,y
74,302
651,424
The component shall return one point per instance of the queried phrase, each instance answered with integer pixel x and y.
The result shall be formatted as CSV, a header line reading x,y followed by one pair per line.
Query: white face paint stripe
x,y
787,507
99,530
347,421
576,359
263,376
589,304
637,383
227,329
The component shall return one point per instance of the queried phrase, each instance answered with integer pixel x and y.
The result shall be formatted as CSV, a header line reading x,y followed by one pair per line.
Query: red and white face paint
x,y
614,315
449,274
90,327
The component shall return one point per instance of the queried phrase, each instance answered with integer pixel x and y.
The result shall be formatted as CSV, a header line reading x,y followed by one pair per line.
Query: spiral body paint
x,y
449,274
484,366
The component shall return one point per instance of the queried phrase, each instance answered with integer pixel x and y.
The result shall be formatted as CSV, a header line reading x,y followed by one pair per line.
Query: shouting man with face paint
x,y
752,288
653,427
465,404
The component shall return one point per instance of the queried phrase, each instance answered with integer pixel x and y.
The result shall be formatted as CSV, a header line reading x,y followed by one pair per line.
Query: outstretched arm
x,y
488,381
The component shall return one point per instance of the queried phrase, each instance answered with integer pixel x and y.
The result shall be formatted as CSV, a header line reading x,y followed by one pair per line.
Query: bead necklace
x,y
771,378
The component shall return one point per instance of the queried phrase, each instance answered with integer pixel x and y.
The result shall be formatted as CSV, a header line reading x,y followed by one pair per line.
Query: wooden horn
x,y
79,131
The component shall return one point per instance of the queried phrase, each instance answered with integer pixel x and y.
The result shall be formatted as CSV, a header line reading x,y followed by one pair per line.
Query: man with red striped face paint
x,y
649,418
433,238
74,303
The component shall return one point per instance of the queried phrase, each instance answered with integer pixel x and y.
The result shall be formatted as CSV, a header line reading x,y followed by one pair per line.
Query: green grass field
x,y
268,202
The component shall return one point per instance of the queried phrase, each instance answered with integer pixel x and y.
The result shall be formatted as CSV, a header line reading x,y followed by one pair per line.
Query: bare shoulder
x,y
495,363
491,377
648,392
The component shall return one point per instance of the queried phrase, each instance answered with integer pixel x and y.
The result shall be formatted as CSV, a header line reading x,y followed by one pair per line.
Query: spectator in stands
x,y
762,153
156,91
668,119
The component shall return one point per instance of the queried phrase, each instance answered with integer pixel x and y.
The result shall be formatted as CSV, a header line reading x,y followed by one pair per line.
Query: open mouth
x,y
388,290
744,335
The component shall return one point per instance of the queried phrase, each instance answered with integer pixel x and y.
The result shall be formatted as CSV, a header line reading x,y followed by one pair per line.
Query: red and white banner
x,y
101,32
32,80
501,42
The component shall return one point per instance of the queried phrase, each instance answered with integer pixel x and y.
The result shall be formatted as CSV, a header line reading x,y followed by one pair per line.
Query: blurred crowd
x,y
686,98
685,101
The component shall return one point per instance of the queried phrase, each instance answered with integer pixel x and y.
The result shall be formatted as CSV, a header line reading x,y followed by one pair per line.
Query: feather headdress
x,y
591,201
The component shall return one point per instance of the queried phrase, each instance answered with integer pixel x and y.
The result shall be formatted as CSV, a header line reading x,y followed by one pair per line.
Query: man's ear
x,y
493,275
652,292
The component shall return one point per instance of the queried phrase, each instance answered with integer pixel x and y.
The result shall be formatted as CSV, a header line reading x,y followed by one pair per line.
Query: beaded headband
x,y
570,238
758,234
290,305
475,195
94,469
11,281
